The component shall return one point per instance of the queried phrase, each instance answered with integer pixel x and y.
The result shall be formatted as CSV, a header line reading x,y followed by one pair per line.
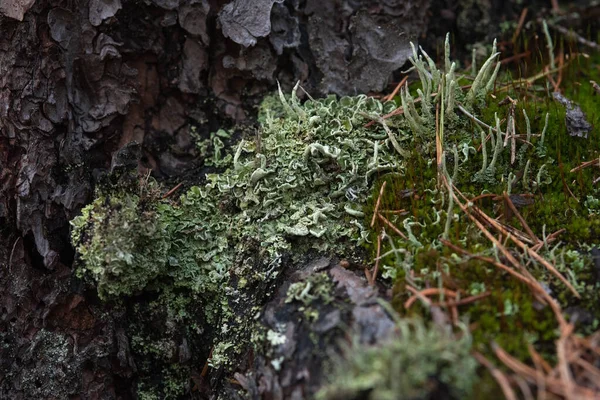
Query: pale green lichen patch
x,y
317,287
303,182
123,242
416,363
297,188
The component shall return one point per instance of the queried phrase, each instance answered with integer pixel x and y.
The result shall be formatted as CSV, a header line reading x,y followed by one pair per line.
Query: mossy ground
x,y
556,200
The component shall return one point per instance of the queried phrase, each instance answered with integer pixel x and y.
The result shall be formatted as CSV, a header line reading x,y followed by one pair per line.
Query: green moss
x,y
547,194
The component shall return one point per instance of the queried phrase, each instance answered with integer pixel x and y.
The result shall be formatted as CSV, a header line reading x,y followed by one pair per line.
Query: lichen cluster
x,y
302,182
417,362
298,186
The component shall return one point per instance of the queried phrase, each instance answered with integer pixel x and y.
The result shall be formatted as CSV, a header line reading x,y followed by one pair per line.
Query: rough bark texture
x,y
78,81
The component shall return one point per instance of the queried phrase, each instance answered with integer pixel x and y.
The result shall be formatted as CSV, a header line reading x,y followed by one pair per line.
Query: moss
x,y
547,194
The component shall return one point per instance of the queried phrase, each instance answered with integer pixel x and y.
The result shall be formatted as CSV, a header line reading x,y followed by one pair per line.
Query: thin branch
x,y
378,203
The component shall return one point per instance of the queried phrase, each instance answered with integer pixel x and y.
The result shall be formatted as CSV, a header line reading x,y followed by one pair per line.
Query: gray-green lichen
x,y
413,364
123,241
51,373
303,183
299,187
317,287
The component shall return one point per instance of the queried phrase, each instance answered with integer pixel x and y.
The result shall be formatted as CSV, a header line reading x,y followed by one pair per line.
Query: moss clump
x,y
416,363
478,160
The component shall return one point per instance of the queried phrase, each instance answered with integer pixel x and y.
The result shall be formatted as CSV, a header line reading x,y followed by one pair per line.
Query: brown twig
x,y
462,302
483,196
538,360
426,292
585,165
515,57
373,276
520,24
392,226
563,364
395,92
561,62
393,212
488,260
170,192
536,287
524,224
524,247
417,295
378,203
498,375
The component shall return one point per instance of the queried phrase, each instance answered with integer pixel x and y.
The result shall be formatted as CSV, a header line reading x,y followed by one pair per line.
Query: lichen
x,y
415,363
302,183
50,372
122,241
317,287
297,188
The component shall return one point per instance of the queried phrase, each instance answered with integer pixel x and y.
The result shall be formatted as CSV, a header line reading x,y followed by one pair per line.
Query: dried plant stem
x,y
428,292
524,224
392,226
373,276
378,203
498,375
395,92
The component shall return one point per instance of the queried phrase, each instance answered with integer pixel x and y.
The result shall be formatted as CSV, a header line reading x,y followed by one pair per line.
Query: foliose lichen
x,y
299,186
415,363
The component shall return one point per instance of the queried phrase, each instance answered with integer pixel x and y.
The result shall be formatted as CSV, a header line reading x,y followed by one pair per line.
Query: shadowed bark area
x,y
81,80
